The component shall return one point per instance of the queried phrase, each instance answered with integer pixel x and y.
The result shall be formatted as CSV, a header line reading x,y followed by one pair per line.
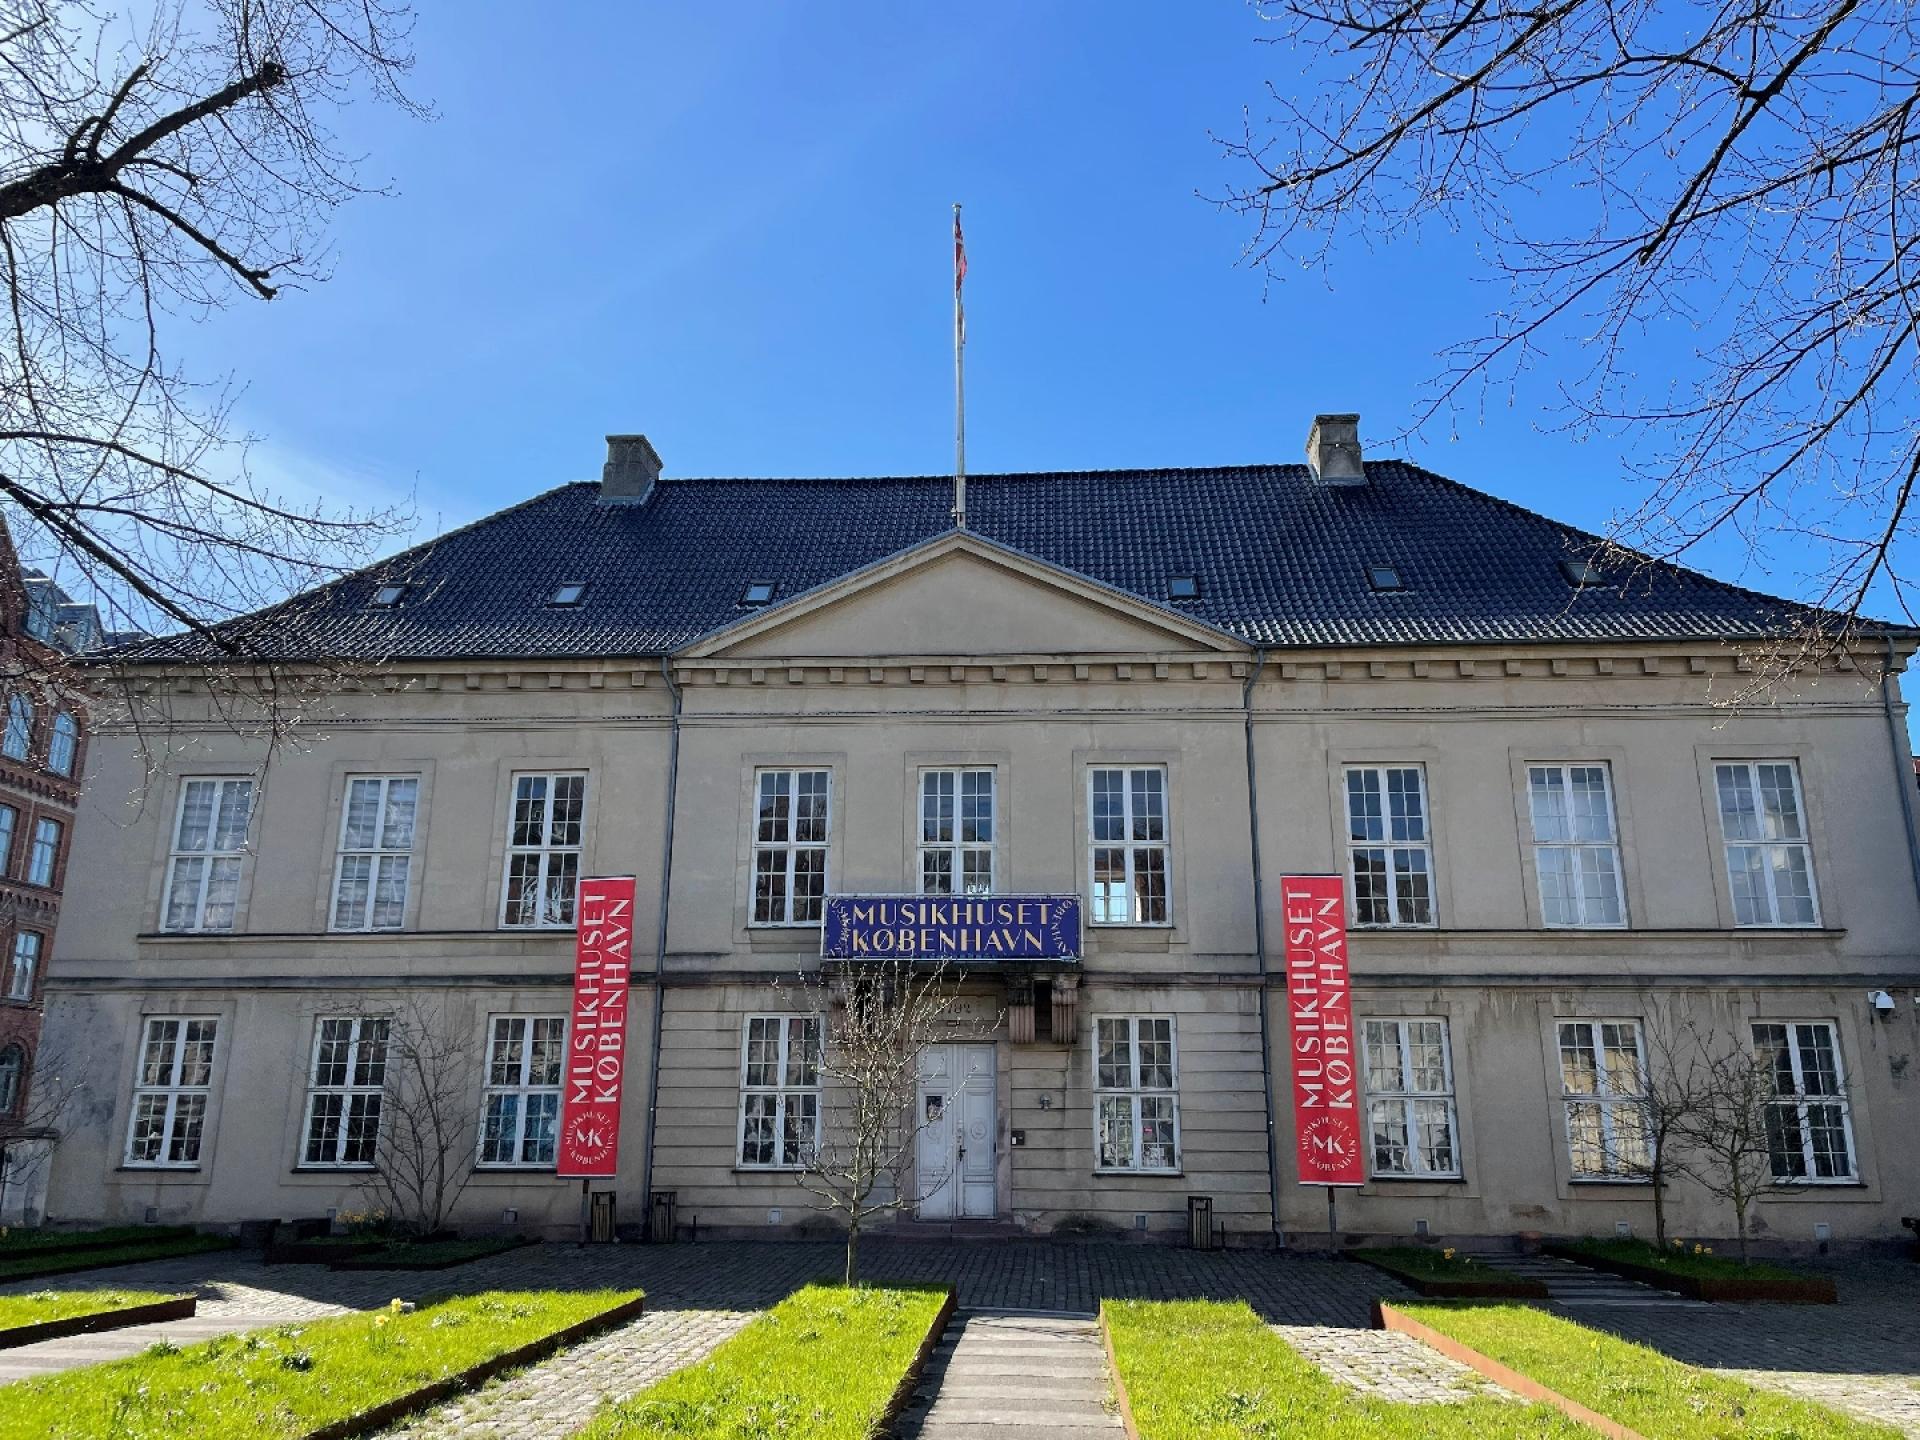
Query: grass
x,y
1637,1386
1697,1261
821,1365
17,1311
1431,1264
28,1264
1213,1370
25,1242
438,1252
288,1381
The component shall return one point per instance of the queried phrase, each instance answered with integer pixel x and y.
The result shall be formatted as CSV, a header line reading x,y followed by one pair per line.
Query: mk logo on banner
x,y
1326,1083
597,1039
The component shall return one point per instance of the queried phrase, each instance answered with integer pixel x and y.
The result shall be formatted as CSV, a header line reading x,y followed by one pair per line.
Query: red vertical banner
x,y
1322,1055
597,1038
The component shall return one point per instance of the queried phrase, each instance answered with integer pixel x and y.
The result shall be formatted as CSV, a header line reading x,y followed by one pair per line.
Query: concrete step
x,y
1011,1376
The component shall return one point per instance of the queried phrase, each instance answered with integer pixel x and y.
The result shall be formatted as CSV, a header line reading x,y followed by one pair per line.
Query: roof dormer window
x,y
1184,587
1384,577
389,596
572,592
1582,573
758,592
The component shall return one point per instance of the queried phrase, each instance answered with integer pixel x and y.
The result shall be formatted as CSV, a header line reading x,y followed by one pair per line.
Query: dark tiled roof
x,y
1280,559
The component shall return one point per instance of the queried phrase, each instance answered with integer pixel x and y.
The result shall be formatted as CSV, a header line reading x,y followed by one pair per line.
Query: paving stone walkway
x,y
1006,1375
1862,1355
560,1394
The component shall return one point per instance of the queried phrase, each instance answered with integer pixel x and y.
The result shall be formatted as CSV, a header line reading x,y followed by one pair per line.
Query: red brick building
x,y
42,748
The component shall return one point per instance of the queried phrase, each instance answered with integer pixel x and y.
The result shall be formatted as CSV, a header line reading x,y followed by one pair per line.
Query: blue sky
x,y
728,227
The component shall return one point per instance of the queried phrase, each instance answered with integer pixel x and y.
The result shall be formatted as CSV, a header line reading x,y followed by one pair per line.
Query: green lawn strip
x,y
1213,1370
823,1364
432,1254
1419,1266
15,1242
1632,1384
43,1306
293,1380
1679,1260
27,1267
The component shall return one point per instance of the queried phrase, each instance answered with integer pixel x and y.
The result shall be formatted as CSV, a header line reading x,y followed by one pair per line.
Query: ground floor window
x,y
1603,1086
1809,1133
520,1110
779,1091
1410,1109
170,1091
347,1086
1136,1095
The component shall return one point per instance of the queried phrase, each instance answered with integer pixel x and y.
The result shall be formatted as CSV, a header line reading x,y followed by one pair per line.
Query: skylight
x,y
571,593
1582,572
1384,577
758,592
1184,587
388,596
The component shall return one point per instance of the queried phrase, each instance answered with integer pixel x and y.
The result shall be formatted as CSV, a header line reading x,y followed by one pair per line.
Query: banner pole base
x,y
1333,1240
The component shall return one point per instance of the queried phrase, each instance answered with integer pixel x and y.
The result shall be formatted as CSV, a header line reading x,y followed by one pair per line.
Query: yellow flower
x,y
1446,1254
1696,1247
1709,1250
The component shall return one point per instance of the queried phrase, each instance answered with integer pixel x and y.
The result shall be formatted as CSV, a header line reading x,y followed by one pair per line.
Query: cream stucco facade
x,y
959,654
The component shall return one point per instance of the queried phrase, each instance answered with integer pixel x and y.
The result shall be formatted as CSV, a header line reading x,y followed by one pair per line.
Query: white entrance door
x,y
959,1133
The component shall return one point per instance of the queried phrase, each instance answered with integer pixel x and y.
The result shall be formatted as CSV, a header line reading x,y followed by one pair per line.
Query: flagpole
x,y
959,380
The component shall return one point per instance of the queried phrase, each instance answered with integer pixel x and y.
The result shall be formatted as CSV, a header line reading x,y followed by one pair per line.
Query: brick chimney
x,y
1333,450
632,467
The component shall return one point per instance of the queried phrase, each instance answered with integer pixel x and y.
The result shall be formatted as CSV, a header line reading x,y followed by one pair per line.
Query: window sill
x,y
137,1169
1799,1184
1104,1174
1609,1182
333,1170
769,1169
1416,1179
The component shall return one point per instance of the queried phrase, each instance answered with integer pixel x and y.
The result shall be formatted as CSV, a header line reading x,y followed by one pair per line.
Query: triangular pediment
x,y
960,595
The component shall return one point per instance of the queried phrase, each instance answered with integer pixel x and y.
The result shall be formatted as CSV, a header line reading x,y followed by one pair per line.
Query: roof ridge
x,y
1156,471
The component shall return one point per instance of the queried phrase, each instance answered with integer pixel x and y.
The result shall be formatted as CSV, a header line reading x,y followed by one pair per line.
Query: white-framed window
x,y
209,838
1128,853
545,830
520,1109
18,741
9,821
779,1091
45,855
62,744
1136,1094
1411,1116
376,852
957,834
1603,1084
346,1086
792,817
1389,845
1809,1132
1576,845
13,1070
170,1091
25,974
1763,820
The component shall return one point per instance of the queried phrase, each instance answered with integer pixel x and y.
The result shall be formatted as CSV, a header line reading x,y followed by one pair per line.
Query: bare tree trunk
x,y
852,1277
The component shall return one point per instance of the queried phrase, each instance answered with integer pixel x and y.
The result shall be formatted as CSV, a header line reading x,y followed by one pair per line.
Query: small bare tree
x,y
57,1086
1676,1087
860,1161
423,1154
1729,1135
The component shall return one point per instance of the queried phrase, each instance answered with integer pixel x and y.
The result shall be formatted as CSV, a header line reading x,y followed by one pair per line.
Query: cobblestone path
x,y
1862,1355
560,1394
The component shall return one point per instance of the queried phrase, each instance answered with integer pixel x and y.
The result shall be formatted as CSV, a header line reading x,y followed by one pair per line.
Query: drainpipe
x,y
660,950
1260,945
1902,766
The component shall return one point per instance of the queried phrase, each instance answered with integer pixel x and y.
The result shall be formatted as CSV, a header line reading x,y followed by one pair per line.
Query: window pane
x,y
529,810
1405,807
1149,806
1435,1121
1114,1055
810,808
1547,798
548,1051
1427,1056
390,894
1156,1132
356,888
1111,896
539,1146
230,825
507,1051
1116,1132
183,892
568,809
1383,1056
1781,810
1364,813
1150,886
1590,816
1739,814
1792,884
976,807
1371,905
1579,1067
1156,1054
936,806
403,799
1109,805
362,823
1599,886
501,1128
1386,1120
1413,890
775,805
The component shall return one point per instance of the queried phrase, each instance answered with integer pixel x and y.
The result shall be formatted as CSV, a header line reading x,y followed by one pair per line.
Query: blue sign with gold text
x,y
966,929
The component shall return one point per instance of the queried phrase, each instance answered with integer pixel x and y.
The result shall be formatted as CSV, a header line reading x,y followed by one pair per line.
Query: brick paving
x,y
1862,1355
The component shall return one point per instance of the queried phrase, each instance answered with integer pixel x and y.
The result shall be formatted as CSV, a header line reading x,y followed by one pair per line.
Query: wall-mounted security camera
x,y
1882,1003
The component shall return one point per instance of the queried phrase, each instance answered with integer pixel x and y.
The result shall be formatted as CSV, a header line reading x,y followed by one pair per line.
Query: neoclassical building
x,y
1152,693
